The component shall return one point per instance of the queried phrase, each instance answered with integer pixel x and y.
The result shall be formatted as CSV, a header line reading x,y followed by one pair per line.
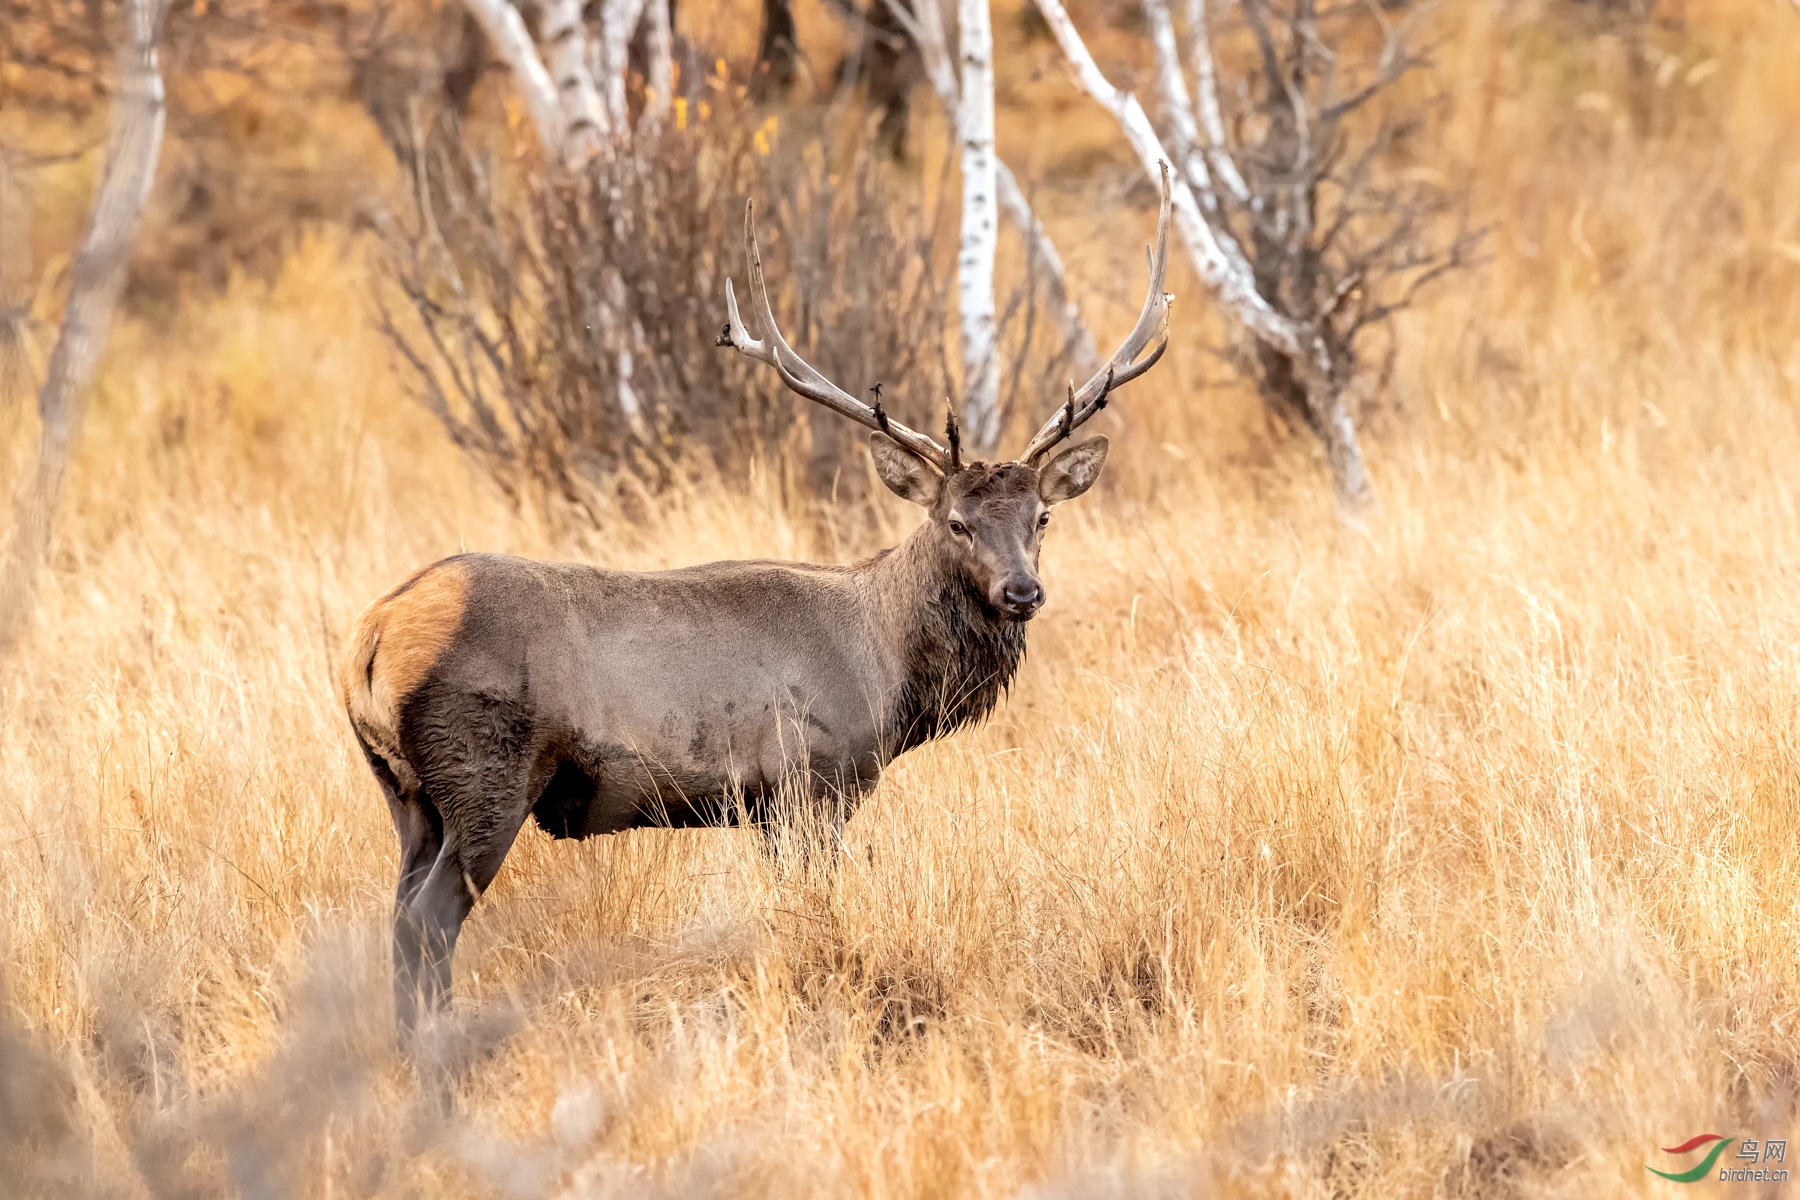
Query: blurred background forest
x,y
1399,797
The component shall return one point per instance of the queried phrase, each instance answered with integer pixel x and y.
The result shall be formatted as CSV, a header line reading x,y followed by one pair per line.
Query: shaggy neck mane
x,y
958,656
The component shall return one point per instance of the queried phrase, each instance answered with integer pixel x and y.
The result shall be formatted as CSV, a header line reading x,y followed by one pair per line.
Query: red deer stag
x,y
487,688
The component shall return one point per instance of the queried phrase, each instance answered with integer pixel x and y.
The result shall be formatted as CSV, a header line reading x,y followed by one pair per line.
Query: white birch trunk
x,y
980,228
1206,76
133,146
1212,121
1190,156
618,21
506,33
1175,94
925,26
661,81
586,123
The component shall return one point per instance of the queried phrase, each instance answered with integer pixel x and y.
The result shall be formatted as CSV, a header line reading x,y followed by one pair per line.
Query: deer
x,y
485,688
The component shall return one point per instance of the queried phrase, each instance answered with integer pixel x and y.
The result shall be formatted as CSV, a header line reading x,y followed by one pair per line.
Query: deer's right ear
x,y
906,475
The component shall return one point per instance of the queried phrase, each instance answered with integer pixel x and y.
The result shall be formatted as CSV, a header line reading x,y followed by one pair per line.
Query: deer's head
x,y
988,519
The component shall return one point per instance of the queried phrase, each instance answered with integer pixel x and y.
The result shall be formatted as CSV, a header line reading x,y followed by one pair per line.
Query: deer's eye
x,y
958,528
1043,519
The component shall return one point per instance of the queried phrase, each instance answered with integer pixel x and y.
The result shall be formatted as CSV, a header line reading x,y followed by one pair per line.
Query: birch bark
x,y
980,228
586,121
661,81
506,33
1233,288
924,24
618,21
1206,88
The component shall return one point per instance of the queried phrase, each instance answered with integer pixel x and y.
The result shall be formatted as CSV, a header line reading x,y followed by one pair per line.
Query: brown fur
x,y
394,645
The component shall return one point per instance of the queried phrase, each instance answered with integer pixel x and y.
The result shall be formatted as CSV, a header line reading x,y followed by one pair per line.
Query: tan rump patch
x,y
394,645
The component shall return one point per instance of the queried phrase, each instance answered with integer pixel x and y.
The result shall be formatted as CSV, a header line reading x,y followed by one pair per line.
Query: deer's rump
x,y
663,698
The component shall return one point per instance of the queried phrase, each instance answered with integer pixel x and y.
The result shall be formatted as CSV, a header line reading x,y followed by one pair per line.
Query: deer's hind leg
x,y
477,770
420,829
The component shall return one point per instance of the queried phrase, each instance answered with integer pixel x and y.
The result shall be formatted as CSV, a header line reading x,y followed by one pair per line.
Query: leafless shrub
x,y
1299,211
561,326
1317,175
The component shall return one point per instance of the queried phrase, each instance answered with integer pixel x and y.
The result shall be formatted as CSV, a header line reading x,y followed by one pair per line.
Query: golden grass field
x,y
1457,859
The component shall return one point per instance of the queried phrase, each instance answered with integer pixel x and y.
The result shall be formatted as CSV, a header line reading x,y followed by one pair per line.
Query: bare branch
x,y
1396,60
1175,97
1282,292
925,26
618,21
1212,121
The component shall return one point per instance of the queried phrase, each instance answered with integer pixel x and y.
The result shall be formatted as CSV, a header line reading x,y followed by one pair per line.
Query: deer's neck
x,y
956,655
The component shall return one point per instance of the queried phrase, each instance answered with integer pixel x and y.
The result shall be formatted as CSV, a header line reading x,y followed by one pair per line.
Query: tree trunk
x,y
924,24
659,68
1296,364
1350,485
586,122
132,148
980,228
507,34
619,20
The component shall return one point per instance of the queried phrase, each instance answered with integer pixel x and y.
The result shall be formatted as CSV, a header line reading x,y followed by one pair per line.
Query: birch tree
x,y
576,93
619,20
980,227
923,23
511,41
133,146
1287,222
574,87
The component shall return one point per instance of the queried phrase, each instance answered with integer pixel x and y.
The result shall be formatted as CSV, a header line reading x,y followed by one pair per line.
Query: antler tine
x,y
1124,365
800,375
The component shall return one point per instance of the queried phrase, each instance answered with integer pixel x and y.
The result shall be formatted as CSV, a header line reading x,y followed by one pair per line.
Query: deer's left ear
x,y
1072,472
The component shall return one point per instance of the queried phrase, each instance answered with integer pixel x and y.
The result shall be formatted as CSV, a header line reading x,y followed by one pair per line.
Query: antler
x,y
800,375
1121,368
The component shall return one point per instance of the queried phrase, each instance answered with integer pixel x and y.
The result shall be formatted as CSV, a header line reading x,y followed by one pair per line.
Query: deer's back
x,y
660,688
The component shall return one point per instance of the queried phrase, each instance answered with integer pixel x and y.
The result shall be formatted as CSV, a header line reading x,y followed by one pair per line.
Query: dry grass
x,y
1457,860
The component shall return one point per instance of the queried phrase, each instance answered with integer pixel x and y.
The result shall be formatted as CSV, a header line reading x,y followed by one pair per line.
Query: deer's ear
x,y
906,475
1072,472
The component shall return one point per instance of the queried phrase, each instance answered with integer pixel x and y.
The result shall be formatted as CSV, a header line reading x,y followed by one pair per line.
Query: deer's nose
x,y
1022,596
